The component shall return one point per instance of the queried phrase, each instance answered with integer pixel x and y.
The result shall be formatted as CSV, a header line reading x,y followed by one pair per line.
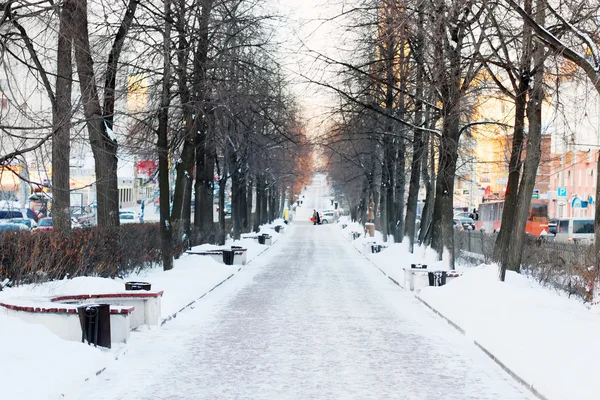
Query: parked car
x,y
462,214
11,226
328,217
467,223
29,223
228,209
128,217
44,224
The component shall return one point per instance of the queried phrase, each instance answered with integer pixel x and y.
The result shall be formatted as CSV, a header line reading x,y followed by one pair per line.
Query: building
x,y
573,184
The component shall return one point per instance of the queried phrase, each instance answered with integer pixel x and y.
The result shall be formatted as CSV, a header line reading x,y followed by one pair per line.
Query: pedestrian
x,y
318,219
314,217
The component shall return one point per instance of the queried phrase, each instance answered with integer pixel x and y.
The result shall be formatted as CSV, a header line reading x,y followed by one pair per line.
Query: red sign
x,y
146,168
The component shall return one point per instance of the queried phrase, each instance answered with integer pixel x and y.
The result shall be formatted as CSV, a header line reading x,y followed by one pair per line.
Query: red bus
x,y
490,216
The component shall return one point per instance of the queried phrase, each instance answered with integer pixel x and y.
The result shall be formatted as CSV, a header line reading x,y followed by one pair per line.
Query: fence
x,y
565,266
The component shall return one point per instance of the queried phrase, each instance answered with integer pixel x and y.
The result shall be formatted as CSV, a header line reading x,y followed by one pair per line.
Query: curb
x,y
506,369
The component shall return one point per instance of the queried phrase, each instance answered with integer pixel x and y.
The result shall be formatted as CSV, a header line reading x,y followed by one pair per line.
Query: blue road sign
x,y
562,192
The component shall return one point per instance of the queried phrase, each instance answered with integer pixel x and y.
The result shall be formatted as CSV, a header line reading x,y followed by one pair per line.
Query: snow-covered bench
x,y
239,255
63,319
146,304
267,238
128,310
418,278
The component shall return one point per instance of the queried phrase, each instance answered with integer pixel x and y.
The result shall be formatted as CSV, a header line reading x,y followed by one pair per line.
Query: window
x,y
563,226
539,211
580,173
583,226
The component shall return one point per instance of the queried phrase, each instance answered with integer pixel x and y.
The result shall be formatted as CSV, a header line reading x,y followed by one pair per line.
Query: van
x,y
575,230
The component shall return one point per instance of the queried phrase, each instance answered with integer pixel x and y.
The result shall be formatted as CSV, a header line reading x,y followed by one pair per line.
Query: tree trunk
x,y
257,217
417,153
162,145
222,192
61,125
205,152
243,209
264,212
514,167
249,201
236,194
442,230
532,157
429,181
397,225
103,145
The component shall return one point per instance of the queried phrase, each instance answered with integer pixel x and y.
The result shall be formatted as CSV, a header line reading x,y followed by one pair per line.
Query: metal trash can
x,y
137,286
261,239
277,228
95,324
228,257
437,278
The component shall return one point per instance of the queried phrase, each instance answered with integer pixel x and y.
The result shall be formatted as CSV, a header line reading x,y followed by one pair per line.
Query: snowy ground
x,y
311,318
308,319
35,354
544,337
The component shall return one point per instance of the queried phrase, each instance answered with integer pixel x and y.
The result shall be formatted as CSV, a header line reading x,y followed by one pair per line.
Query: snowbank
x,y
30,353
36,364
547,339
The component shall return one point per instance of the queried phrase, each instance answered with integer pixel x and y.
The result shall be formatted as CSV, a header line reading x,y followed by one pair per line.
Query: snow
x,y
544,337
110,132
309,319
56,365
314,318
35,364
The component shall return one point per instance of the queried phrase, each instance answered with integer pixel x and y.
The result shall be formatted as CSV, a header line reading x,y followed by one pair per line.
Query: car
x,y
463,214
467,223
228,209
128,217
44,224
11,226
328,217
29,223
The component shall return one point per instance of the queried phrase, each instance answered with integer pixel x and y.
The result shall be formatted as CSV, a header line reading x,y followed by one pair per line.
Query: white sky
x,y
306,34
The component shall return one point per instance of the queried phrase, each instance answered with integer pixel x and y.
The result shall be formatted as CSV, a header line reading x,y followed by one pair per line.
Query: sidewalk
x,y
541,336
36,364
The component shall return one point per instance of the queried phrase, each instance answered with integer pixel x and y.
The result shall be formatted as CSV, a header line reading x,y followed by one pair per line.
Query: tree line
x,y
216,105
408,98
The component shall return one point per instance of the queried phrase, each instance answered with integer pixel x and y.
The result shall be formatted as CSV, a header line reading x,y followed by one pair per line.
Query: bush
x,y
106,252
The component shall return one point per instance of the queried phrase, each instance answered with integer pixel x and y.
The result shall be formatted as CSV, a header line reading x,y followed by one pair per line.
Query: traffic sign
x,y
562,192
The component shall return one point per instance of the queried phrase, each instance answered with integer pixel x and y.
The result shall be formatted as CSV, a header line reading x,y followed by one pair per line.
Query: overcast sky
x,y
306,32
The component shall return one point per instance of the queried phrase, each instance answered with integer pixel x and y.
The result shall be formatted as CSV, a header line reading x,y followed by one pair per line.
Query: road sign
x,y
562,192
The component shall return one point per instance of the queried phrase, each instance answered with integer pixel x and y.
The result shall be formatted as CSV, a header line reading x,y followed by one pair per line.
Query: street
x,y
310,319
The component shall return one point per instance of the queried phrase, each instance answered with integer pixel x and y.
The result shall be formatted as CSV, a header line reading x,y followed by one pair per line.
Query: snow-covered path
x,y
310,319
